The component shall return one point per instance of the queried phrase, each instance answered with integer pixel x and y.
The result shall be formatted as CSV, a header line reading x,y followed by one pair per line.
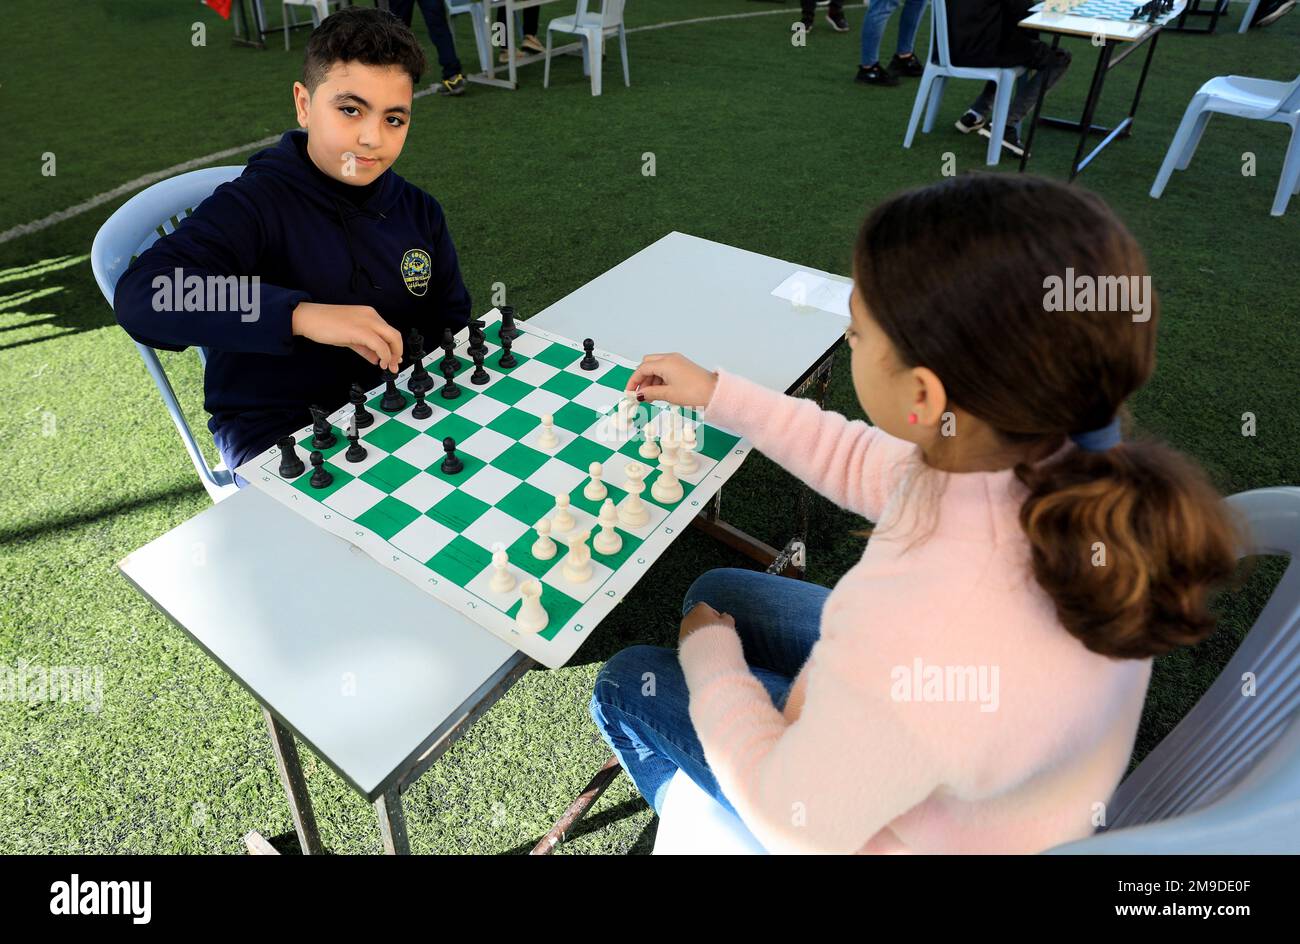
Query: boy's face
x,y
356,120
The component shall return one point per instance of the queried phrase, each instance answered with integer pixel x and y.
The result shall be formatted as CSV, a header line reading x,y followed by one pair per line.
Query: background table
x,y
260,589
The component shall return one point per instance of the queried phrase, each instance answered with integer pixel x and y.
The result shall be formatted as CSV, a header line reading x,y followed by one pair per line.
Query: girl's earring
x,y
911,418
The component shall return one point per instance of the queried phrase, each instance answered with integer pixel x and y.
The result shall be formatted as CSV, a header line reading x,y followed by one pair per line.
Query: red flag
x,y
221,6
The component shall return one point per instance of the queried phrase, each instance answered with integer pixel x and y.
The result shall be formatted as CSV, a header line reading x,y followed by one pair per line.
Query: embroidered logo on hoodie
x,y
416,267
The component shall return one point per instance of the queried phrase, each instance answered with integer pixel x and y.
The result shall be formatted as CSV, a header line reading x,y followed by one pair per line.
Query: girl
x,y
974,683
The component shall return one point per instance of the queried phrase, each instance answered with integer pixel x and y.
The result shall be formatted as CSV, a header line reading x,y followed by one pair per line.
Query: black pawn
x,y
291,465
449,351
393,399
421,410
477,339
507,359
480,376
358,400
420,379
451,463
356,452
321,477
449,389
589,361
322,437
508,331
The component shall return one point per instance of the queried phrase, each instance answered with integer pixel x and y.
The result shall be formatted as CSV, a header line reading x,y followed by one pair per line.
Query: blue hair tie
x,y
1099,440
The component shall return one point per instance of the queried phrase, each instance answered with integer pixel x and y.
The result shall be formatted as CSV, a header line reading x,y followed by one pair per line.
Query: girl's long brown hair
x,y
1127,542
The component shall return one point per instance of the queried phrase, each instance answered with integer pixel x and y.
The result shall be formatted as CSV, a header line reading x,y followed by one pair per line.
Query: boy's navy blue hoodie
x,y
308,237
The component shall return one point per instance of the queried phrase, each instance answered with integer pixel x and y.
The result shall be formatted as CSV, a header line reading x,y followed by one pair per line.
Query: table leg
x,y
1090,105
295,785
1142,79
1038,109
510,42
392,822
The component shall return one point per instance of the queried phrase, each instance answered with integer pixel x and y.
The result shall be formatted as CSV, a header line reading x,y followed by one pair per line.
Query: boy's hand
x,y
675,378
356,326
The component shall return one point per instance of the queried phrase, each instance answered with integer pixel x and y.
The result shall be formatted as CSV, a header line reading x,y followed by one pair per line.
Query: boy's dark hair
x,y
367,35
955,275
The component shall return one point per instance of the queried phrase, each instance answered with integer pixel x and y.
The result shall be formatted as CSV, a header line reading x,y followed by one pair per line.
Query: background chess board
x,y
438,530
1111,10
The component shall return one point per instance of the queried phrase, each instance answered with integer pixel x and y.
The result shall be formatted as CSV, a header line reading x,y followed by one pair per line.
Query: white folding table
x,y
380,692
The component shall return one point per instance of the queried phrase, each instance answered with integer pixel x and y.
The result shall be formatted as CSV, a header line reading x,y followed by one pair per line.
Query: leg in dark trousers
x,y
1045,64
435,18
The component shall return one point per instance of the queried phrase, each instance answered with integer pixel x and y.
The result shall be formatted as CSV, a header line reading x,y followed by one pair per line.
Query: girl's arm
x,y
851,462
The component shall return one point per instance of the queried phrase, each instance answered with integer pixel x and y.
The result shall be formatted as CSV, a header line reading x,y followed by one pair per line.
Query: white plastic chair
x,y
135,227
1261,99
930,91
591,28
479,19
1250,15
319,10
1225,780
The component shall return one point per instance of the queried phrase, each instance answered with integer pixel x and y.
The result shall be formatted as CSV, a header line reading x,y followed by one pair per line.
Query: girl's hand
x,y
702,615
675,378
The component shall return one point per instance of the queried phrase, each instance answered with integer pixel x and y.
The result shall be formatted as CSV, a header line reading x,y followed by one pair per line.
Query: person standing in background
x,y
870,71
834,15
435,18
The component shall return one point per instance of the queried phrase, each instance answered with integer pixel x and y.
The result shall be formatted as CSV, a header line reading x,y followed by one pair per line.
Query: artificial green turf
x,y
756,143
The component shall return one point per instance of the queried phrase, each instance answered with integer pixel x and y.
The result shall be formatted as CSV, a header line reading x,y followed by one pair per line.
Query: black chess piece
x,y
421,410
322,436
507,359
480,376
291,465
321,477
451,463
449,389
356,452
508,331
449,351
420,379
358,400
393,399
588,361
477,339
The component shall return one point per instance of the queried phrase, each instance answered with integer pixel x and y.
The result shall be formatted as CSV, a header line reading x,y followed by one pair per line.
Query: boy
x,y
339,257
985,33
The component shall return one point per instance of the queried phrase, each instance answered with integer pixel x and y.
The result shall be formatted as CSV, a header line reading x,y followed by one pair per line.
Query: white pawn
x,y
503,581
667,489
531,617
577,565
563,520
608,541
632,513
686,460
547,438
544,547
595,490
648,450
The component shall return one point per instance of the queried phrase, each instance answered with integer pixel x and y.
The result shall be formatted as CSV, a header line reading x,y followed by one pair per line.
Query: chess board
x,y
1121,10
439,530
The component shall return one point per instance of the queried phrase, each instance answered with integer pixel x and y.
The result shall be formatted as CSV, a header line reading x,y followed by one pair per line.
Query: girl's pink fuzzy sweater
x,y
944,707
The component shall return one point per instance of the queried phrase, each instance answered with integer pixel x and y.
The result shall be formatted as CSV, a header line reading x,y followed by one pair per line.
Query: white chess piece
x,y
687,463
577,565
531,617
547,439
632,513
563,520
668,442
648,450
595,490
609,541
503,581
544,547
666,488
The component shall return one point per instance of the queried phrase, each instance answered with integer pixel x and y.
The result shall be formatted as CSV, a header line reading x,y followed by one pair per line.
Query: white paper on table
x,y
816,291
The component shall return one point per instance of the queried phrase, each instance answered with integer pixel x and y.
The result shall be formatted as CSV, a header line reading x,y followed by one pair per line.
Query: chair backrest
x,y
133,228
611,12
1218,778
939,32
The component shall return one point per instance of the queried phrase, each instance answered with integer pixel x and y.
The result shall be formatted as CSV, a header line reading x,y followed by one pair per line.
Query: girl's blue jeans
x,y
873,26
639,701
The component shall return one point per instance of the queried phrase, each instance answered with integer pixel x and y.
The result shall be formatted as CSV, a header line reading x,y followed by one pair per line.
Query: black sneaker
x,y
837,21
874,75
971,121
1010,140
456,85
910,66
807,22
